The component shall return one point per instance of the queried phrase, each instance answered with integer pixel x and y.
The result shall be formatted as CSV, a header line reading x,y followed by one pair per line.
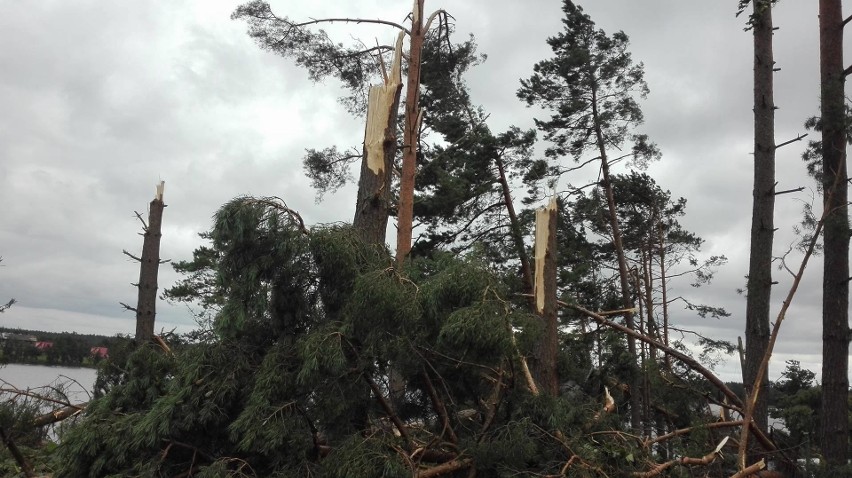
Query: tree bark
x,y
405,214
371,210
149,267
544,355
835,289
763,209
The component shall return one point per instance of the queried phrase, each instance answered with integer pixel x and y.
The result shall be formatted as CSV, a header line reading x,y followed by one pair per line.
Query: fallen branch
x,y
445,468
703,461
764,363
59,414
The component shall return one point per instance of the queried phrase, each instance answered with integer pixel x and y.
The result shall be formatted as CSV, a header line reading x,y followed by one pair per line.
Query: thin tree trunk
x,y
835,288
635,412
763,210
149,267
544,362
664,291
405,214
371,210
517,236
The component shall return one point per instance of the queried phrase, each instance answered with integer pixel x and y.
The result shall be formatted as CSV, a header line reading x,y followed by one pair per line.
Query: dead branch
x,y
684,431
785,143
59,414
144,224
787,191
750,470
403,430
773,337
703,461
443,469
27,393
137,259
127,307
686,359
440,408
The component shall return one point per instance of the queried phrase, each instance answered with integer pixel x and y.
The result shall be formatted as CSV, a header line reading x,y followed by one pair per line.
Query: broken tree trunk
x,y
146,305
544,355
411,136
371,210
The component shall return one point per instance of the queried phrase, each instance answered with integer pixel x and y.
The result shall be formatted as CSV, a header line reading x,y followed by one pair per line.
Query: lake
x,y
78,381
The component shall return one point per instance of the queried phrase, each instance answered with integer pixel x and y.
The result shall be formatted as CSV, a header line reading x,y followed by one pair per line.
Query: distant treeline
x,y
55,348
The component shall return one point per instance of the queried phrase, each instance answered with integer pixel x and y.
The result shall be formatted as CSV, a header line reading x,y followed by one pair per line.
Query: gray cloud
x,y
101,100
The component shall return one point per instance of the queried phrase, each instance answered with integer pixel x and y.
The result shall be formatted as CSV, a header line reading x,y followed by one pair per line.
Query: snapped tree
x,y
590,86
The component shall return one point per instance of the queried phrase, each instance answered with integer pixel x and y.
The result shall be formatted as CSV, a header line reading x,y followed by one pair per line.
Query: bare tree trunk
x,y
664,291
26,468
405,214
763,210
545,352
835,286
371,210
149,267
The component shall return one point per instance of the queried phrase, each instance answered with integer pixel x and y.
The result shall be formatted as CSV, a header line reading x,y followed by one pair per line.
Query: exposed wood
x,y
146,306
373,203
58,415
411,135
545,351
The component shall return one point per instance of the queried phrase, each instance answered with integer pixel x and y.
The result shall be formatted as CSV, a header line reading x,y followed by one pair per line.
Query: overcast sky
x,y
100,100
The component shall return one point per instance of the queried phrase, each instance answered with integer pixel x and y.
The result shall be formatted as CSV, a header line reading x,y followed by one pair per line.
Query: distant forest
x,y
55,348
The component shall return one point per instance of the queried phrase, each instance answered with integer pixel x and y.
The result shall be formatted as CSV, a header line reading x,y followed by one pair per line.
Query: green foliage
x,y
590,85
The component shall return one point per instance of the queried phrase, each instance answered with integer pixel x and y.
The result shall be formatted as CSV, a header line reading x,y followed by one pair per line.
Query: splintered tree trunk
x,y
371,210
544,360
763,209
146,305
835,285
405,215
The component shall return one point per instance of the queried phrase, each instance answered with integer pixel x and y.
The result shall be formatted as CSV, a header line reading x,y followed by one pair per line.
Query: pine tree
x,y
590,85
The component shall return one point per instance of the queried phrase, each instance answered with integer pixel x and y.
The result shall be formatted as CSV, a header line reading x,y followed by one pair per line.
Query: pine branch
x,y
127,307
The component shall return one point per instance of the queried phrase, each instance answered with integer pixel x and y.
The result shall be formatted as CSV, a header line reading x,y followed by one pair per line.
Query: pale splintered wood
x,y
160,187
542,239
380,109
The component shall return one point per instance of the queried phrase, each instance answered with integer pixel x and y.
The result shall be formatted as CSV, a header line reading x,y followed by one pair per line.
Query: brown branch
x,y
27,393
750,470
127,307
686,359
314,21
684,431
764,364
685,460
785,143
445,468
440,408
847,20
144,224
786,191
16,453
137,259
58,415
403,431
